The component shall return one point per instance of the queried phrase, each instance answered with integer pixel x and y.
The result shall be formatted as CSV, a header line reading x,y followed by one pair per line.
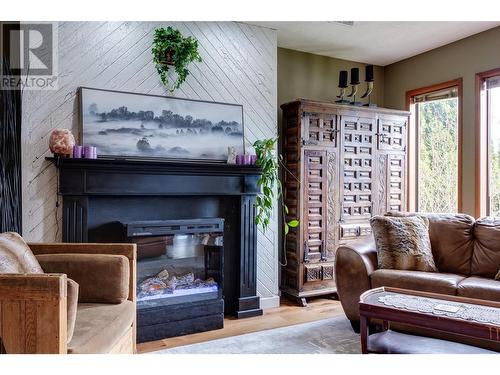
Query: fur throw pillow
x,y
403,243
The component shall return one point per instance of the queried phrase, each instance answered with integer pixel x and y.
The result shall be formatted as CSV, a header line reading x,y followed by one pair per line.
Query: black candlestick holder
x,y
341,96
342,86
369,78
368,94
354,87
354,90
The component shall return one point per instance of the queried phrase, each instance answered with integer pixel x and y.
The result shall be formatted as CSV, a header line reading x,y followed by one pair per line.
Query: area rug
x,y
328,336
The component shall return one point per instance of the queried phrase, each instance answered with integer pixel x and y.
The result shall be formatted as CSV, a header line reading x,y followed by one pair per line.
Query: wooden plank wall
x,y
239,66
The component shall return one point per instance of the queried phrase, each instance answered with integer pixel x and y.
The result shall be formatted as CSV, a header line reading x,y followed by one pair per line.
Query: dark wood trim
x,y
481,144
410,171
412,179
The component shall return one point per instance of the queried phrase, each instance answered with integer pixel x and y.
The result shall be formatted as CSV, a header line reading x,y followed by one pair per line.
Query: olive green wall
x,y
462,59
305,75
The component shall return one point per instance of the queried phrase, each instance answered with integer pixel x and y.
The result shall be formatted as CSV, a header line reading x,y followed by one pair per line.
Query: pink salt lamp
x,y
61,142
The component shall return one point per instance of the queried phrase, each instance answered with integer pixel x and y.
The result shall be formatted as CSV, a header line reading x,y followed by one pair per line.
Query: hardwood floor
x,y
289,313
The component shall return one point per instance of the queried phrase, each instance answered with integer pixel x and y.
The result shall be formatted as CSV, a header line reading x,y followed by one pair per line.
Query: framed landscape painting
x,y
130,125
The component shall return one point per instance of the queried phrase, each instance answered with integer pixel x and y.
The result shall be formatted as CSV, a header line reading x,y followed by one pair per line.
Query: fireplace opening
x,y
180,268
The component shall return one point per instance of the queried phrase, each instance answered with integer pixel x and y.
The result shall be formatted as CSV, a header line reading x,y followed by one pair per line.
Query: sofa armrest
x,y
102,278
354,262
128,250
33,311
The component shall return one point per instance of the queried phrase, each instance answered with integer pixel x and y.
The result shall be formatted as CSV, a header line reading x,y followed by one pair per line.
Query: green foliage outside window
x,y
438,156
494,152
494,178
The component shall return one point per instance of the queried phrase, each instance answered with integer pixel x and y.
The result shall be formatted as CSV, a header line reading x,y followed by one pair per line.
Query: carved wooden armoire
x,y
345,165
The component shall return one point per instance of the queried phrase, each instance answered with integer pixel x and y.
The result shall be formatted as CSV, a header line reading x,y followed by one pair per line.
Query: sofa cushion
x,y
486,256
16,256
403,243
444,283
99,326
103,278
480,288
452,240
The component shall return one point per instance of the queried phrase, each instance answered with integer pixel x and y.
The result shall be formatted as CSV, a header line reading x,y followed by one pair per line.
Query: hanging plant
x,y
171,49
268,180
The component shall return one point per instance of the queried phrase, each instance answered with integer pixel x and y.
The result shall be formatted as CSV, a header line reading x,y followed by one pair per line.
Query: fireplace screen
x,y
178,261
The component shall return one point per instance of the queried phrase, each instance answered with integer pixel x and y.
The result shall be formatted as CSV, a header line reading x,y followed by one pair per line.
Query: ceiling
x,y
379,43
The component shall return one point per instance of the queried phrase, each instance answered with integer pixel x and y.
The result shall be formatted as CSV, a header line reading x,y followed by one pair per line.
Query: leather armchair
x,y
40,311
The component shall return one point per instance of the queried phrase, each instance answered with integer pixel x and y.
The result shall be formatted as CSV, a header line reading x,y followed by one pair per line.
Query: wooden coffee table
x,y
465,316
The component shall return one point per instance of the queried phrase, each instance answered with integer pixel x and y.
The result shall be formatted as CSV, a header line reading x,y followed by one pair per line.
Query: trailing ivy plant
x,y
170,48
269,179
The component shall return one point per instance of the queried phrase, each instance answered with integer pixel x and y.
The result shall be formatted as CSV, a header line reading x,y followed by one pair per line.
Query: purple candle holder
x,y
77,152
239,159
246,159
253,159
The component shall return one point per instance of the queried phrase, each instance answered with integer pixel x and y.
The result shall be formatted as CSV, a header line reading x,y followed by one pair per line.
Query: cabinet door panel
x,y
320,129
332,204
396,187
391,193
392,134
357,168
315,199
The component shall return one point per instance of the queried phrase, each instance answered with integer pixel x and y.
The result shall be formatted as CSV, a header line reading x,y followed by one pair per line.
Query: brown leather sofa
x,y
67,298
466,253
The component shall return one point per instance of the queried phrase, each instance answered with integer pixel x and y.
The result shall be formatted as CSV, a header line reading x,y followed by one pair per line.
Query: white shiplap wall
x,y
239,66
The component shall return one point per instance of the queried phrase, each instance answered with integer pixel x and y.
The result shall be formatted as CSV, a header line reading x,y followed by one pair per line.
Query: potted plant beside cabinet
x,y
269,162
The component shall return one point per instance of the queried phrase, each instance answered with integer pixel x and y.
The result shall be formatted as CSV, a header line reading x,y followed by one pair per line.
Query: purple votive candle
x,y
87,152
239,159
247,159
253,159
77,152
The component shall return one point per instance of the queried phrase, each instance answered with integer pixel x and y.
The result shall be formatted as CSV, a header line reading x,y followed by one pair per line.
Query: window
x,y
435,142
493,122
488,143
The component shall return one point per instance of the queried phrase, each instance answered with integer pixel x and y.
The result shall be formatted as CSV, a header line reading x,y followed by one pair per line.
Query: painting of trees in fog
x,y
136,125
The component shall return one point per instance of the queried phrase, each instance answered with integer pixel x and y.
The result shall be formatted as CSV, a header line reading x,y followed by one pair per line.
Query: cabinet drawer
x,y
365,229
350,231
318,272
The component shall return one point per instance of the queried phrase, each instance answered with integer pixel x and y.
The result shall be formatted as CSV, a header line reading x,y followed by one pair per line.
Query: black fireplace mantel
x,y
135,177
99,192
